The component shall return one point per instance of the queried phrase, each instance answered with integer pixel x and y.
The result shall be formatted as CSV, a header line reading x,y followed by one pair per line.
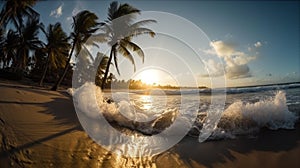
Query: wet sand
x,y
39,128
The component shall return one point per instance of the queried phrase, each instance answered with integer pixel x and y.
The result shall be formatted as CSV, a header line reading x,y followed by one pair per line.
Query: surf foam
x,y
244,118
90,100
240,118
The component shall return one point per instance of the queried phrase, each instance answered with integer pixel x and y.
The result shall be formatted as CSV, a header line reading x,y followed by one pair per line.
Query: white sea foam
x,y
90,100
240,118
246,118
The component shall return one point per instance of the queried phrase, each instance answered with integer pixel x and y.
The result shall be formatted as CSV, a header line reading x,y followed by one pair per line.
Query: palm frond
x,y
101,62
124,51
142,23
140,31
100,38
134,47
113,7
117,10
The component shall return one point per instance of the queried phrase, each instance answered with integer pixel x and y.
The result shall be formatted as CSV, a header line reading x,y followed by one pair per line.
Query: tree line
x,y
23,53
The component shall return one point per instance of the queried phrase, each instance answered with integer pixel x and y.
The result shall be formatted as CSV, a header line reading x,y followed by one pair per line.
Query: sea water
x,y
150,112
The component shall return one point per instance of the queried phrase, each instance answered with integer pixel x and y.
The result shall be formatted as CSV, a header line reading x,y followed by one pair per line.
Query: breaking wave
x,y
124,113
239,118
245,118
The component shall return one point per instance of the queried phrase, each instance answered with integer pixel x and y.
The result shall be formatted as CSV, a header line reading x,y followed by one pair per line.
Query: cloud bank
x,y
235,62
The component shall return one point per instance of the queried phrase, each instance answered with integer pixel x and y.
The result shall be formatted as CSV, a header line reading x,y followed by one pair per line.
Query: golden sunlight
x,y
149,76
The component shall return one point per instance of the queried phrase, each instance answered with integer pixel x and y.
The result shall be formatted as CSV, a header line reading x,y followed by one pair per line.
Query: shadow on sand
x,y
4,154
60,107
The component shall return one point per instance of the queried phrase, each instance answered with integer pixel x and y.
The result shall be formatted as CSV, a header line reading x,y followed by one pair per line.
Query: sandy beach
x,y
39,128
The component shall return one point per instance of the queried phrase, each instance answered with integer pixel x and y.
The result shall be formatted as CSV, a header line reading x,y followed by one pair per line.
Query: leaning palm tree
x,y
28,42
57,48
84,25
14,10
119,30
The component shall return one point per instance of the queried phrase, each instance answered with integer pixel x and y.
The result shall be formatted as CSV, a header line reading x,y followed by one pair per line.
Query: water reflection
x,y
146,102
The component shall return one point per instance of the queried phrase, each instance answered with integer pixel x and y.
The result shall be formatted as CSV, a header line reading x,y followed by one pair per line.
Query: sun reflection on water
x,y
146,102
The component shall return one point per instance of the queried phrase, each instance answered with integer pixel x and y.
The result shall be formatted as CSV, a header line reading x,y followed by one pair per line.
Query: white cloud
x,y
57,12
238,71
235,62
223,49
210,51
258,44
255,47
214,68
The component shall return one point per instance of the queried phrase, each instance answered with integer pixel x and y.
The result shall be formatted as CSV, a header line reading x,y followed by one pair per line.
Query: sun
x,y
149,76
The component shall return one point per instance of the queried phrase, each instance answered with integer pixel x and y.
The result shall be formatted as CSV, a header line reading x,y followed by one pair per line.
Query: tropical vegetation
x,y
51,60
118,31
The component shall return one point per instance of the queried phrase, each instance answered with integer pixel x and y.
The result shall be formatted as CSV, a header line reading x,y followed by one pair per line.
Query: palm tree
x,y
10,48
119,33
28,42
2,42
40,58
84,25
14,10
57,48
100,65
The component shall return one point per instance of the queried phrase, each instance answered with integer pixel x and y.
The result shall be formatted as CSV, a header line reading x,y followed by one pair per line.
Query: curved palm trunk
x,y
58,82
108,65
45,71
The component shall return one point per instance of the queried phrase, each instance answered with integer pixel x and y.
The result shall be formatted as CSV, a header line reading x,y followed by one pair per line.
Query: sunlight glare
x,y
149,76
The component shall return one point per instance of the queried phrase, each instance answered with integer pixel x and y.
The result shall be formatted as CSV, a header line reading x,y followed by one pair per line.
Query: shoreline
x,y
39,127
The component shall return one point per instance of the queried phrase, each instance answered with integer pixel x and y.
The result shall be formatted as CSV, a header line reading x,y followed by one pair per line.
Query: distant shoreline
x,y
250,86
64,87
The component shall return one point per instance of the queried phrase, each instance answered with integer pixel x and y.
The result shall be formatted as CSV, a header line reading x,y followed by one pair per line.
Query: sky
x,y
204,42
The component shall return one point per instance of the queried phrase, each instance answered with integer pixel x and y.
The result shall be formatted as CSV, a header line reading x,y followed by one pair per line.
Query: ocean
x,y
201,113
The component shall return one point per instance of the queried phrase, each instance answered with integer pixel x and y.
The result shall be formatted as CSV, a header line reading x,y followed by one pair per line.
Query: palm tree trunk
x,y
45,70
107,67
55,87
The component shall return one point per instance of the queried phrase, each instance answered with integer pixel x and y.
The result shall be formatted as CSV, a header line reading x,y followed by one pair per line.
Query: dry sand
x,y
39,128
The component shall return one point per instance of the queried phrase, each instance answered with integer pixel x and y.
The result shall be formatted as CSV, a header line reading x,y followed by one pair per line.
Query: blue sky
x,y
264,35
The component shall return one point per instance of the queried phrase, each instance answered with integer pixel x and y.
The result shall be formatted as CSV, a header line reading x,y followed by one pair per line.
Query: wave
x,y
216,91
240,118
262,88
244,118
122,113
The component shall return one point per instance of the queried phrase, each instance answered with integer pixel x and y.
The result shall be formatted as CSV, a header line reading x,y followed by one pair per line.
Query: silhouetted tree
x,y
119,34
15,10
10,48
84,25
27,42
2,44
57,48
100,64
